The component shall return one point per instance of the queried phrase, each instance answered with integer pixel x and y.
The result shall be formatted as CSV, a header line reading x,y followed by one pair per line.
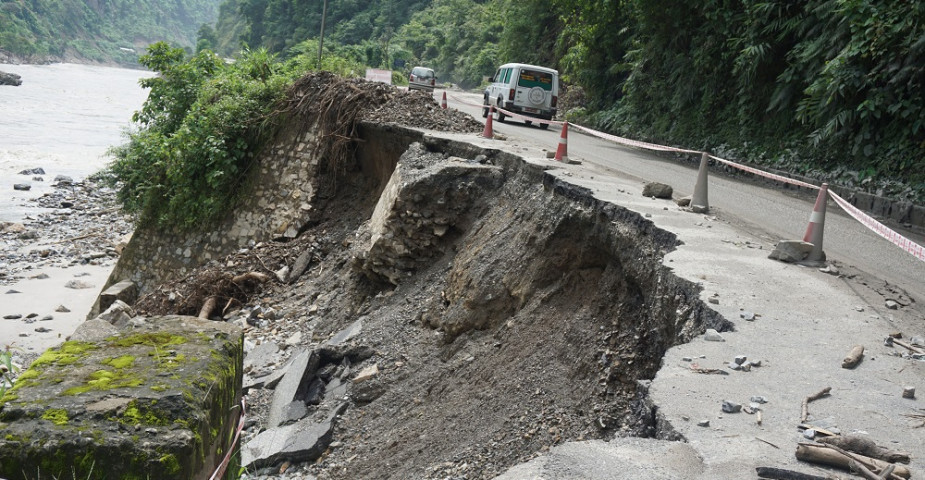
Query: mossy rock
x,y
157,401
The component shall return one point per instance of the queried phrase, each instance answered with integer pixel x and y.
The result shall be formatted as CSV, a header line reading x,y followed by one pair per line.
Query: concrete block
x,y
124,291
160,400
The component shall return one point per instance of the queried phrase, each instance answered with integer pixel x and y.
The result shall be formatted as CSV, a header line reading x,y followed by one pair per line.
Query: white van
x,y
525,89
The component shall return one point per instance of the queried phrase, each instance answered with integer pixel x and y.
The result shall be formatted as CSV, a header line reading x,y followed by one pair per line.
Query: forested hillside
x,y
98,30
830,87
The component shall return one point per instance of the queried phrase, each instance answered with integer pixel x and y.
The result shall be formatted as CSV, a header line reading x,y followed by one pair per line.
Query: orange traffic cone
x,y
816,223
562,150
443,103
699,201
487,133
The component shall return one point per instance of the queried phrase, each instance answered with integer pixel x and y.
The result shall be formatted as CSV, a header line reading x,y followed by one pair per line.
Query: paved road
x,y
765,211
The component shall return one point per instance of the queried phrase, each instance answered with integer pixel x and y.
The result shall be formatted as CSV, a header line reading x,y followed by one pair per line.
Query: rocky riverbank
x,y
54,263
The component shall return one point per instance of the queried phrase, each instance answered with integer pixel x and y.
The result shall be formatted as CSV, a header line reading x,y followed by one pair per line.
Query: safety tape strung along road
x,y
880,229
220,471
902,242
632,143
764,174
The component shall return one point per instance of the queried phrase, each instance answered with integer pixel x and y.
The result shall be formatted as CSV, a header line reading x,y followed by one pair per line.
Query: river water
x,y
63,119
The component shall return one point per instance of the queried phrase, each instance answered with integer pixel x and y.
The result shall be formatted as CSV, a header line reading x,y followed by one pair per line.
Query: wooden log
x,y
816,396
207,308
829,455
854,357
857,467
911,348
865,446
781,474
252,276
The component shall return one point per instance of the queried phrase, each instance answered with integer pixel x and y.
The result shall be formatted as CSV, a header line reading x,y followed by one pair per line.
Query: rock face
x,y
422,204
159,400
10,79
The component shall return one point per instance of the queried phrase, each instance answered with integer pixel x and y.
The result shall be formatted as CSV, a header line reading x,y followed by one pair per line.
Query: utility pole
x,y
324,14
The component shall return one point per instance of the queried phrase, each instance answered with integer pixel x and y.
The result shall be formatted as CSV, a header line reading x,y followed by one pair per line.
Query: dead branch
x,y
765,441
911,348
857,467
231,303
821,393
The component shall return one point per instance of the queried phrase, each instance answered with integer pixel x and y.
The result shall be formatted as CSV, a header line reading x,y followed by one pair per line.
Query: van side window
x,y
499,74
507,74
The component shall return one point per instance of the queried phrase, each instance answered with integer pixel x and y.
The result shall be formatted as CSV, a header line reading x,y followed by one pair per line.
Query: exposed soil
x,y
531,326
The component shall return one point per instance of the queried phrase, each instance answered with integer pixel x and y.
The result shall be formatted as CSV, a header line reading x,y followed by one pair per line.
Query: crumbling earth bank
x,y
504,312
528,326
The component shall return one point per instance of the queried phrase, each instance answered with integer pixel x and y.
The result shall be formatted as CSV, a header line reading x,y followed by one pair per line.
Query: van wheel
x,y
528,122
501,116
544,126
485,108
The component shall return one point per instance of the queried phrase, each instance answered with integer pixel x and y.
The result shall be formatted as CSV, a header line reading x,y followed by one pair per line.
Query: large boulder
x,y
10,79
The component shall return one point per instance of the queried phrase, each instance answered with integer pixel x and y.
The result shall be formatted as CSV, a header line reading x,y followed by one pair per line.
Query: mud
x,y
530,325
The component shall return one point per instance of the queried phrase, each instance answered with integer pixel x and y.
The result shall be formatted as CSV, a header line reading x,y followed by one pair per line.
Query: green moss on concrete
x,y
154,339
138,413
57,416
105,380
69,353
171,464
124,361
168,362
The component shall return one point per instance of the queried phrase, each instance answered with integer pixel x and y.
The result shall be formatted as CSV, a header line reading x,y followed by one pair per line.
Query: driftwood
x,y
821,393
256,277
818,430
911,348
239,281
836,457
854,357
866,446
207,308
857,467
781,474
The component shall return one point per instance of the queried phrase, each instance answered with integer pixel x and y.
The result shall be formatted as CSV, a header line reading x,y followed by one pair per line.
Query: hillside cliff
x,y
98,31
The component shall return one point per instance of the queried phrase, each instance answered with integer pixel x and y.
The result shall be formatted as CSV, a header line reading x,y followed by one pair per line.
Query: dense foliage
x,y
833,85
200,130
102,31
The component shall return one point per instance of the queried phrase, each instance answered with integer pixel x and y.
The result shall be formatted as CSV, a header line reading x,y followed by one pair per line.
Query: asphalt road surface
x,y
763,210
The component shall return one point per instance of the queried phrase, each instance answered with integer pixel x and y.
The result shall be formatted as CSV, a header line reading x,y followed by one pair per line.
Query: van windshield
x,y
422,72
532,78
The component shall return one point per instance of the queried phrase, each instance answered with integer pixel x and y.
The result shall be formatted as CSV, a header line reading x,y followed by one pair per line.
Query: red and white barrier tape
x,y
220,471
902,242
764,174
632,143
909,246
